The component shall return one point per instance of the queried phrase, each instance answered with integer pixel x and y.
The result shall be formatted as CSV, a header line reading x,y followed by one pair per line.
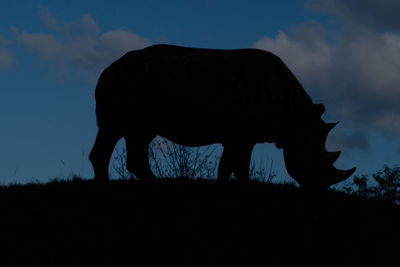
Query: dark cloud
x,y
355,140
79,43
376,13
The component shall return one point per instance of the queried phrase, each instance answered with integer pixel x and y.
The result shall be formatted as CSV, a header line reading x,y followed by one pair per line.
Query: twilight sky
x,y
346,53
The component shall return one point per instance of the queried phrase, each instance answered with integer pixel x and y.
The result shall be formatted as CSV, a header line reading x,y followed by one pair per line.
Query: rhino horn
x,y
333,156
338,176
327,128
330,126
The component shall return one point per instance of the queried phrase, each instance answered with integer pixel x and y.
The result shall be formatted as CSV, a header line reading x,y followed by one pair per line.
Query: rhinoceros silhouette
x,y
198,97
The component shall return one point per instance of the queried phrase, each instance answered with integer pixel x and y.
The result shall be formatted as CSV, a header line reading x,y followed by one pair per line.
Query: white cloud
x,y
84,26
119,40
378,60
79,43
303,49
6,59
357,71
354,69
50,20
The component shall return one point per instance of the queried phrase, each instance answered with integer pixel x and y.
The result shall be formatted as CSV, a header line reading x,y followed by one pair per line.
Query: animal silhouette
x,y
197,97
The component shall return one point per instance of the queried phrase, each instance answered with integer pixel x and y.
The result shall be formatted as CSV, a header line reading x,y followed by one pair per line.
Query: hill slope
x,y
195,223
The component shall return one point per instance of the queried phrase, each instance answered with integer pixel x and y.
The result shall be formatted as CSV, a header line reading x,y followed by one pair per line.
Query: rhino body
x,y
198,97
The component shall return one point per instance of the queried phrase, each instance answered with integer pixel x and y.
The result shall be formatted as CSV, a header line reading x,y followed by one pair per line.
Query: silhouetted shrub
x,y
384,184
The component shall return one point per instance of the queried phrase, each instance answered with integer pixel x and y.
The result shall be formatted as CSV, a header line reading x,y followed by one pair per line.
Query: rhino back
x,y
173,87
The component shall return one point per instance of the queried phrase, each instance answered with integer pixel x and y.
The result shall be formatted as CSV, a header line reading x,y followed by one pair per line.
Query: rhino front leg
x,y
137,156
101,153
235,159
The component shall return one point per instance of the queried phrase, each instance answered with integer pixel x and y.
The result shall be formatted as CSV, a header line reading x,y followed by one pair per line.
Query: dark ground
x,y
192,223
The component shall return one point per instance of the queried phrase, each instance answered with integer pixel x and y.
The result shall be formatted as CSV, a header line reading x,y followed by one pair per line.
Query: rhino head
x,y
306,158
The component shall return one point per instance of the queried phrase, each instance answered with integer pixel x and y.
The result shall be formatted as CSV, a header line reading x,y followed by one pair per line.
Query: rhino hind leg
x,y
137,156
101,153
235,159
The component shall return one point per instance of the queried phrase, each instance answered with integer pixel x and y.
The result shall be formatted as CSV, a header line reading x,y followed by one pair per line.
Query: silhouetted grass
x,y
191,222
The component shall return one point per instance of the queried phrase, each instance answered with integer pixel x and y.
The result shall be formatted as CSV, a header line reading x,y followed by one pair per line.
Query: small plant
x,y
168,159
119,165
262,171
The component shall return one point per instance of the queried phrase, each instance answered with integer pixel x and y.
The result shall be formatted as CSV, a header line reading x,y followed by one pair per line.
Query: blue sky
x,y
345,53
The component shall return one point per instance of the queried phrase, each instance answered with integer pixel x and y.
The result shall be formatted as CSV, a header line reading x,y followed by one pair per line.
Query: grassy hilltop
x,y
191,222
